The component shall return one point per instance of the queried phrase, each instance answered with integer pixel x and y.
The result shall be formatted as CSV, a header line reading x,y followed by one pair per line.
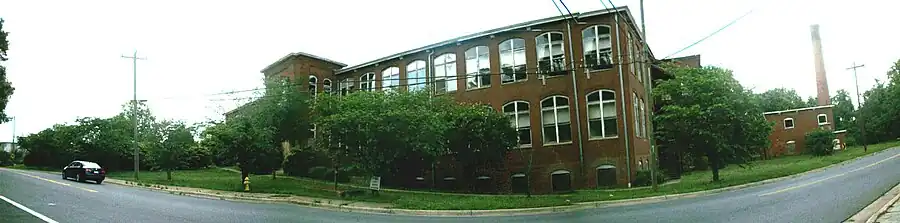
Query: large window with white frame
x,y
390,78
512,60
520,120
415,75
367,81
630,53
636,115
597,47
346,86
788,123
478,67
823,119
445,73
550,53
326,86
602,118
312,85
555,119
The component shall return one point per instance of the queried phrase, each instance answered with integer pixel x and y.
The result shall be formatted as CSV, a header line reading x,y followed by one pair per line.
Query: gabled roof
x,y
495,31
291,55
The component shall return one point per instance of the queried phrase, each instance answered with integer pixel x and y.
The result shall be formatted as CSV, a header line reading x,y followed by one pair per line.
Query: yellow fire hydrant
x,y
246,183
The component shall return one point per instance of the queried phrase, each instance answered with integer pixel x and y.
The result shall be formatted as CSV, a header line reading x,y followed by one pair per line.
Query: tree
x,y
811,102
177,140
707,112
6,88
779,99
844,110
479,139
371,131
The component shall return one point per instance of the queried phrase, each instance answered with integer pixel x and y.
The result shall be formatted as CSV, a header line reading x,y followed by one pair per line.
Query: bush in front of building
x,y
6,158
820,142
642,178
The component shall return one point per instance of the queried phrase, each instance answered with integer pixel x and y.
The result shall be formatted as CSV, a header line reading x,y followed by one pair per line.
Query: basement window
x,y
791,147
823,119
561,180
519,184
788,123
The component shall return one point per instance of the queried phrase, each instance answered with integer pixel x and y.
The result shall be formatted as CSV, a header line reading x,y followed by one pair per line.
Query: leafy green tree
x,y
844,110
707,112
6,88
178,138
6,158
779,99
820,142
479,139
811,102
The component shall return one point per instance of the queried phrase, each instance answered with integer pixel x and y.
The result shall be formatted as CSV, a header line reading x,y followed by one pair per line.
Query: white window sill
x,y
527,146
599,70
558,144
478,88
602,138
786,128
513,82
824,123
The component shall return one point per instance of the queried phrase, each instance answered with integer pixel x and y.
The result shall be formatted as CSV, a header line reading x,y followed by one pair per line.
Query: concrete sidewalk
x,y
891,214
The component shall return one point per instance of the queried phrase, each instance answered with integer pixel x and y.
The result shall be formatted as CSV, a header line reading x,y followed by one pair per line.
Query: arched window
x,y
606,176
326,86
636,115
520,119
597,47
312,85
390,78
602,121
512,60
561,180
555,120
550,53
478,67
415,75
367,81
788,123
445,73
643,118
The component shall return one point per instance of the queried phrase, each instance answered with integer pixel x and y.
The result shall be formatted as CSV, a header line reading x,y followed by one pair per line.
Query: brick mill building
x,y
791,126
573,88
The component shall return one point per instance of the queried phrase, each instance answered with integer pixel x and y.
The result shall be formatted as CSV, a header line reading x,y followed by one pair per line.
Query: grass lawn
x,y
690,182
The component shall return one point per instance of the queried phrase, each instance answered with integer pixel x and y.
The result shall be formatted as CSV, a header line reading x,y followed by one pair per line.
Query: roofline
x,y
491,32
797,110
840,131
289,55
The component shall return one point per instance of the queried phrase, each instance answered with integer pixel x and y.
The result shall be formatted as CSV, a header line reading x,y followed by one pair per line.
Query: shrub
x,y
299,162
820,142
342,177
642,178
317,172
6,158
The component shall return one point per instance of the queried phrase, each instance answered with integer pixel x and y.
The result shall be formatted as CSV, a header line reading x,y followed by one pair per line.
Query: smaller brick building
x,y
789,133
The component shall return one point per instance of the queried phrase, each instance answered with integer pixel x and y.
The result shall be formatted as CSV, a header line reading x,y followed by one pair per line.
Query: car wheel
x,y
99,181
79,178
64,176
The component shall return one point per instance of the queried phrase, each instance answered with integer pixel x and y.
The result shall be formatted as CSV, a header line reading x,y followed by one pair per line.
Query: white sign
x,y
375,183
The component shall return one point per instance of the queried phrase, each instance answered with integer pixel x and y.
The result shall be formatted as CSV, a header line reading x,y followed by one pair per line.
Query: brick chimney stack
x,y
821,81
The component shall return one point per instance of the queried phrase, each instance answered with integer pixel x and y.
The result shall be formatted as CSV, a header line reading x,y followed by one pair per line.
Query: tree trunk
x,y
335,177
528,174
714,165
273,174
169,175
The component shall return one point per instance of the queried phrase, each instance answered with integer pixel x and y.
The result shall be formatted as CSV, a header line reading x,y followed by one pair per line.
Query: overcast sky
x,y
65,55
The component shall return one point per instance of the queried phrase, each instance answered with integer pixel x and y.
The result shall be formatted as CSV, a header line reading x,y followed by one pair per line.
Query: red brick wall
x,y
804,122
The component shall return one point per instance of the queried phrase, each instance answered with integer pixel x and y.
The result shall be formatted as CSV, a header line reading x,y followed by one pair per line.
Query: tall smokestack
x,y
821,80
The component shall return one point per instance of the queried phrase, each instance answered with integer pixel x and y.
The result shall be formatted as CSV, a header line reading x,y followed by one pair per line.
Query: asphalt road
x,y
831,195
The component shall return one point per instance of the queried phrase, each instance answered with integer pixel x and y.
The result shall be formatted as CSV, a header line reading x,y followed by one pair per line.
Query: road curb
x,y
346,207
871,212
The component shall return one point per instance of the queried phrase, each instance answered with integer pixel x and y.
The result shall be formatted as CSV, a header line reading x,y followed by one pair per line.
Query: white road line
x,y
26,209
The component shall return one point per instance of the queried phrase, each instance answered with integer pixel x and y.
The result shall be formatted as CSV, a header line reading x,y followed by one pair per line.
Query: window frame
x,y
390,81
326,86
561,172
477,74
551,71
785,122
598,52
313,85
516,113
413,82
636,116
449,59
369,80
556,124
602,103
512,55
643,117
819,120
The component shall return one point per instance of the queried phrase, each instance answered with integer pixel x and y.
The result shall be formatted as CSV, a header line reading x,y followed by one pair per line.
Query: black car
x,y
84,170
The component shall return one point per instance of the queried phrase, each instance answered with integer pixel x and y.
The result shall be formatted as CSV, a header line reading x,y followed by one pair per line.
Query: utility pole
x,y
13,149
860,120
134,107
648,90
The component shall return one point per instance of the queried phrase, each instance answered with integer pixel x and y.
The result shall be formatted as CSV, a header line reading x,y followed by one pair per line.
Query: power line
x,y
711,34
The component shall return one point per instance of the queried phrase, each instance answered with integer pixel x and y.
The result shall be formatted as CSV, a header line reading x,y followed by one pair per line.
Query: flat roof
x,y
495,31
797,110
288,56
